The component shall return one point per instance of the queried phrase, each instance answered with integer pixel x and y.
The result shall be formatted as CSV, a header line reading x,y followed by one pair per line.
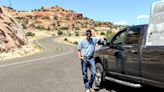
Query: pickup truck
x,y
135,55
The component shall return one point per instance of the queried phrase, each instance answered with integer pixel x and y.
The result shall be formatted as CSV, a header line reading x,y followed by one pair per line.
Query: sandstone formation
x,y
11,33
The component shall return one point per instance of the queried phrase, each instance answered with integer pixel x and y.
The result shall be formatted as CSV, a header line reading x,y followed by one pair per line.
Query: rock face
x,y
11,33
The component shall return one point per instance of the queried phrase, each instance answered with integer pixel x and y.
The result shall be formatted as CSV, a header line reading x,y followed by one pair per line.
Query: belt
x,y
88,57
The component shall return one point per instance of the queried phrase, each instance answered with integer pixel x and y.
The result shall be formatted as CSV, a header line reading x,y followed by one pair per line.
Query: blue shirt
x,y
87,47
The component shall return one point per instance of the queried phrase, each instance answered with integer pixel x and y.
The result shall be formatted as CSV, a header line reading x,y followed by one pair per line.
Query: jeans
x,y
85,64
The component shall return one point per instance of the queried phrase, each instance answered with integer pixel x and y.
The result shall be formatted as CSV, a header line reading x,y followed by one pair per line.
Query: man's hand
x,y
102,39
79,55
81,58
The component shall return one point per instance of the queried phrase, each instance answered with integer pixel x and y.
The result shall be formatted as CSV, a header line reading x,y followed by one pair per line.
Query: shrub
x,y
109,35
30,34
46,17
42,7
55,17
65,39
96,30
76,33
60,32
102,33
40,27
53,35
64,28
75,42
48,28
69,34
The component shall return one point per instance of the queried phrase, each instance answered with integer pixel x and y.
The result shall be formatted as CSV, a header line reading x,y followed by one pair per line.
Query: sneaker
x,y
87,90
92,90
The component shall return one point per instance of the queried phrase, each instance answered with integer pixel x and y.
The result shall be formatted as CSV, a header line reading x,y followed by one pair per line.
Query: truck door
x,y
113,62
132,52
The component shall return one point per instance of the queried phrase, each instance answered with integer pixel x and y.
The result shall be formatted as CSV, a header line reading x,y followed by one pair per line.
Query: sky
x,y
122,12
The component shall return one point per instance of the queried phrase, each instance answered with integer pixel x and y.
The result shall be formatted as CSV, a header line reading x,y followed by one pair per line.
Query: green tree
x,y
42,7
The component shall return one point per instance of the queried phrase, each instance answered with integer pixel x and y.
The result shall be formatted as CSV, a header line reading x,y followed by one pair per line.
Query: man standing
x,y
86,49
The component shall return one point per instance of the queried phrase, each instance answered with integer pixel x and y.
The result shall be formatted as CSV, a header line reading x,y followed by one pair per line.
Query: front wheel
x,y
99,78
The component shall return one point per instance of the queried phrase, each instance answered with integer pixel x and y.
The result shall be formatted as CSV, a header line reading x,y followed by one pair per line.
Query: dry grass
x,y
27,50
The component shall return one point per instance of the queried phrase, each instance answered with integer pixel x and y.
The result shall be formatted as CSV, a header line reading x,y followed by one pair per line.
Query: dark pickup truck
x,y
131,60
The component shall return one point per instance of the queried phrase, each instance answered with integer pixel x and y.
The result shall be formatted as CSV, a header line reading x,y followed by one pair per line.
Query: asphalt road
x,y
55,70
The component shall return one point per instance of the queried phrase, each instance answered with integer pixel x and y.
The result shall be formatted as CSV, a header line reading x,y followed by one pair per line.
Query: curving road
x,y
57,69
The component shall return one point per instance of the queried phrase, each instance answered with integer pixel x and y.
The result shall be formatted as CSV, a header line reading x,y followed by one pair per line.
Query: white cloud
x,y
121,23
142,17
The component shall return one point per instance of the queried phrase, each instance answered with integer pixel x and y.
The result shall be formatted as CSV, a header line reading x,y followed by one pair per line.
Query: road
x,y
57,69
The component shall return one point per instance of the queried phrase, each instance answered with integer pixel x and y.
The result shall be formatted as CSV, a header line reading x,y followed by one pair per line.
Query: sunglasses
x,y
88,33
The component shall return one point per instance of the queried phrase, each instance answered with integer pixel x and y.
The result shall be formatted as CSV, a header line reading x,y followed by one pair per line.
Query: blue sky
x,y
131,12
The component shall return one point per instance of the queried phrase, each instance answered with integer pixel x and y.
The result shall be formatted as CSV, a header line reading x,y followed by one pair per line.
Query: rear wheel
x,y
99,78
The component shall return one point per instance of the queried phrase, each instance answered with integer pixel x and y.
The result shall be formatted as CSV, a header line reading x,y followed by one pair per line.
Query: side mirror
x,y
106,42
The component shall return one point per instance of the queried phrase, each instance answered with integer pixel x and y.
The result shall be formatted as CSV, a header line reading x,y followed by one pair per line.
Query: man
x,y
85,53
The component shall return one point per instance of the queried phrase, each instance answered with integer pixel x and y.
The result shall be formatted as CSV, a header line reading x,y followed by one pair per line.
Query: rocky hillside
x,y
58,19
53,18
11,32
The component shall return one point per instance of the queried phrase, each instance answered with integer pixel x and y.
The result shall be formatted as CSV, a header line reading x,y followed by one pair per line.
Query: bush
x,y
55,17
96,30
102,33
69,34
109,35
30,34
60,32
64,28
75,42
40,27
65,39
76,33
48,28
42,7
53,35
46,17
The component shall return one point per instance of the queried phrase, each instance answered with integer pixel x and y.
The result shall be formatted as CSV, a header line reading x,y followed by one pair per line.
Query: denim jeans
x,y
88,64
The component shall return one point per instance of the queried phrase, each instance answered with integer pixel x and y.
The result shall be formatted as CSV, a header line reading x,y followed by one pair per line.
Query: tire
x,y
99,78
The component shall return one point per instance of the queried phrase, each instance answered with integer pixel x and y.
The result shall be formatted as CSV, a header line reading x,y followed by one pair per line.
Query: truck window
x,y
119,38
133,36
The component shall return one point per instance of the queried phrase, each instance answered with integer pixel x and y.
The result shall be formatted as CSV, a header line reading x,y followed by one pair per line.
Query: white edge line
x,y
36,42
28,61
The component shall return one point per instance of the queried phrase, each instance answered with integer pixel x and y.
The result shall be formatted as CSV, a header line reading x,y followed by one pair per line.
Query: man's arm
x,y
79,47
79,55
100,40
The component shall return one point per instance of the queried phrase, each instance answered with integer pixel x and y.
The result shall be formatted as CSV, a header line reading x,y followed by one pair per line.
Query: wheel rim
x,y
98,76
